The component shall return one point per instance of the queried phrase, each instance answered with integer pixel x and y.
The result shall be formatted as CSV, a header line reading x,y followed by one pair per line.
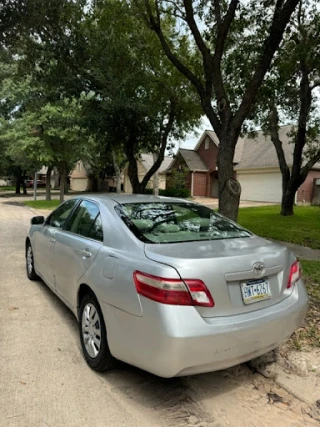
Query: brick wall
x,y
306,189
209,155
200,183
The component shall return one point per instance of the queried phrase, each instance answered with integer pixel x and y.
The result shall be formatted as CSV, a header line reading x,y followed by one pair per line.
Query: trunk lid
x,y
225,265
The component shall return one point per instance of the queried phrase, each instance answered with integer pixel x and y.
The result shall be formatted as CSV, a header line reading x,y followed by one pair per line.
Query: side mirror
x,y
37,220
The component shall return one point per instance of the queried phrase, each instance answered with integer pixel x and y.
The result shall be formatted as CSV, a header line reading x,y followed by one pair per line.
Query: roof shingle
x,y
193,160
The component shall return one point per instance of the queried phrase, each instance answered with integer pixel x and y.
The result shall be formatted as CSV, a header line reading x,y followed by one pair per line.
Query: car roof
x,y
132,198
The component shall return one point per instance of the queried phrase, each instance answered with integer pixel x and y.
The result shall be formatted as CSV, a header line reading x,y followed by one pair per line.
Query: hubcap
x,y
29,260
91,330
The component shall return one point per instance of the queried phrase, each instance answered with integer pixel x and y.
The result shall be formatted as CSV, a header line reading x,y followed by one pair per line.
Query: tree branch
x,y
223,30
280,20
274,133
164,139
205,51
308,166
217,12
156,26
204,93
305,105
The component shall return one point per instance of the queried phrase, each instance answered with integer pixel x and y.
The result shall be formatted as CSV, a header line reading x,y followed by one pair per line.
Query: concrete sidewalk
x,y
214,202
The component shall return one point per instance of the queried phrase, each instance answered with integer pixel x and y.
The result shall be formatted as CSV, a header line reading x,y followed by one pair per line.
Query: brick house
x,y
255,164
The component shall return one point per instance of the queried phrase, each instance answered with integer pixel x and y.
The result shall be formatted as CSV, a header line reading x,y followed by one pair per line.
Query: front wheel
x,y
32,275
93,335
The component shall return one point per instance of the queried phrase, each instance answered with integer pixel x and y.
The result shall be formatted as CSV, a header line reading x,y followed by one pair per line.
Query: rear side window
x,y
86,221
60,215
177,222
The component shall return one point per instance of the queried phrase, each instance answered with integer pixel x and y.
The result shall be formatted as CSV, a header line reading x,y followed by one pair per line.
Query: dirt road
x,y
44,380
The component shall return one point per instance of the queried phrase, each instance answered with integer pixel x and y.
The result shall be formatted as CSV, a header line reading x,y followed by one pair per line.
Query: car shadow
x,y
176,398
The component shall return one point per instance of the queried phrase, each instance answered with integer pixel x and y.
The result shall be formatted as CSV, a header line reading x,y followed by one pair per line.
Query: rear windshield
x,y
177,222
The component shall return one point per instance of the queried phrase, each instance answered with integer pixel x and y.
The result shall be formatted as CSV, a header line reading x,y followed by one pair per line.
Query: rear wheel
x,y
32,275
93,335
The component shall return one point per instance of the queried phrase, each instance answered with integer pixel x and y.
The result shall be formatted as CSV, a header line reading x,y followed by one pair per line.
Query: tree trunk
x,y
117,172
133,167
18,179
24,183
94,184
229,187
133,176
48,183
287,202
155,177
63,173
66,183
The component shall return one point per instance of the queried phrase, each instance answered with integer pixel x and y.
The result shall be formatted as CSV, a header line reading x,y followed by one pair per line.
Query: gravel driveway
x,y
45,381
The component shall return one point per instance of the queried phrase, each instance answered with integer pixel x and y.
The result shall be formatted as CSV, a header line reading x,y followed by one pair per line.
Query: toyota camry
x,y
167,285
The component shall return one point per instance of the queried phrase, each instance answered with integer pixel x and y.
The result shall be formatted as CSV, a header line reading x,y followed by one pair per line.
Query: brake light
x,y
294,274
173,291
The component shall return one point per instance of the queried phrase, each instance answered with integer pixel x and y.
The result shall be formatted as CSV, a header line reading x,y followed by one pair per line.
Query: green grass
x,y
302,228
309,334
7,188
42,204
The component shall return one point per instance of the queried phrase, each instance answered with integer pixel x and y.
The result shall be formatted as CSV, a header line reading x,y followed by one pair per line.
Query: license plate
x,y
255,290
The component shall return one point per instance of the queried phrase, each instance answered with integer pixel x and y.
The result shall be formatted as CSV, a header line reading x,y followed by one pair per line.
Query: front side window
x,y
59,217
177,222
86,221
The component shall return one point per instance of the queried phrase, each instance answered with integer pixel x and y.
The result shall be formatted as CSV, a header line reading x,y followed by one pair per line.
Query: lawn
x,y
302,228
42,204
7,188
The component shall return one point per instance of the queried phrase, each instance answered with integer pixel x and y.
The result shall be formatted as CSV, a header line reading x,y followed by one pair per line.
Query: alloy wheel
x,y
29,260
91,330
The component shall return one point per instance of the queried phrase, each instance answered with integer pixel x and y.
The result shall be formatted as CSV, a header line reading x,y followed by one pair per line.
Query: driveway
x,y
213,203
46,382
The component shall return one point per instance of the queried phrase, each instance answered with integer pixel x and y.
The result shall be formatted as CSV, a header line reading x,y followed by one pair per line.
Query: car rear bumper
x,y
175,341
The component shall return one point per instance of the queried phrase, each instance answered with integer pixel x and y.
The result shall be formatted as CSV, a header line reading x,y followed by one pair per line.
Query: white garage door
x,y
261,187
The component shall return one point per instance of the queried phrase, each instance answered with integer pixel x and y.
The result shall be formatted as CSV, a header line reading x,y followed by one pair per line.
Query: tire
x,y
93,335
32,275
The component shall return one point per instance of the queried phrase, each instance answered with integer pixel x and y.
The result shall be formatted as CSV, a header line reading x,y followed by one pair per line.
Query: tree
x,y
51,136
291,92
138,100
214,27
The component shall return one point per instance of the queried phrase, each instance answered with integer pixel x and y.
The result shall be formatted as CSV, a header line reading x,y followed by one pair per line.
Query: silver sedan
x,y
167,285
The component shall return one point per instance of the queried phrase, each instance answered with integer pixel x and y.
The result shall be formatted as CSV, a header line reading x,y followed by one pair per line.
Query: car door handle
x,y
52,240
86,254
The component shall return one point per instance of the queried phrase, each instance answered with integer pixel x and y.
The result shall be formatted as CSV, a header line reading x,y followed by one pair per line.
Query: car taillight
x,y
173,291
294,274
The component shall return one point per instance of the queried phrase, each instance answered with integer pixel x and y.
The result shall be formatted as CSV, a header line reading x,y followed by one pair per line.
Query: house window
x,y
79,166
206,143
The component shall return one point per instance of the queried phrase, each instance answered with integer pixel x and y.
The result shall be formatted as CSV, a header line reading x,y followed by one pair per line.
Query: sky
x,y
192,138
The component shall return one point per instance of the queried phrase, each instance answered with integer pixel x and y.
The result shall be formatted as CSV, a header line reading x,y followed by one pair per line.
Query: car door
x,y
76,248
46,239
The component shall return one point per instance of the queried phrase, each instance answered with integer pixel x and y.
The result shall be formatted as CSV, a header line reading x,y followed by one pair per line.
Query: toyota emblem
x,y
259,269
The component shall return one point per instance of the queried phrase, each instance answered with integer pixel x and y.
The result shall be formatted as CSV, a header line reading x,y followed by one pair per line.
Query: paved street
x,y
46,382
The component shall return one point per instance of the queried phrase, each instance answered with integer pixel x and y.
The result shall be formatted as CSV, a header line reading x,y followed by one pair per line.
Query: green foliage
x,y
175,192
178,177
292,85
